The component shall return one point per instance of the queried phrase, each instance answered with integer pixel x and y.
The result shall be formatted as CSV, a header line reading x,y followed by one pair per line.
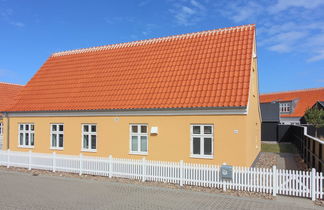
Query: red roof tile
x,y
305,99
8,93
204,69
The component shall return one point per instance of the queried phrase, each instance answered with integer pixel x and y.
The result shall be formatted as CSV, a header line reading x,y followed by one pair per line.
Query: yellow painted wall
x,y
1,120
171,144
253,125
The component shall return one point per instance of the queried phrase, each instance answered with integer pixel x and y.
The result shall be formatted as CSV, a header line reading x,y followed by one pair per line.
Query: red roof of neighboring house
x,y
8,93
305,99
204,69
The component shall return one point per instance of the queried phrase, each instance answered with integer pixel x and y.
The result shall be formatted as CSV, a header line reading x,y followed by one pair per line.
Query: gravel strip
x,y
269,159
266,160
301,165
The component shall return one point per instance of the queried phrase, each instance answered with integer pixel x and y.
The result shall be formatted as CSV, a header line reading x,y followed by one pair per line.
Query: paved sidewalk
x,y
24,191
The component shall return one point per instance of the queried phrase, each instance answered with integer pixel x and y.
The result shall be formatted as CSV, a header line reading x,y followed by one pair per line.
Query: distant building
x,y
293,104
270,120
270,112
319,105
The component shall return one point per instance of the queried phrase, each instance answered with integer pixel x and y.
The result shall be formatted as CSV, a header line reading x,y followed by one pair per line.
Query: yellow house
x,y
8,92
191,97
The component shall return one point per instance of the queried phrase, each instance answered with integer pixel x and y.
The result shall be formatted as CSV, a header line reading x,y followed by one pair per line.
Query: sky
x,y
290,33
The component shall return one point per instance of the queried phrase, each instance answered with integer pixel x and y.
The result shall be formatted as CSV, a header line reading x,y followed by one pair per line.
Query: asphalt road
x,y
23,191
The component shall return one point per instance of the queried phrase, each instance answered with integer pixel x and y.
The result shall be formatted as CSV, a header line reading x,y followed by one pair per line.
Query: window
x,y
57,136
1,129
138,139
284,107
89,137
26,135
202,141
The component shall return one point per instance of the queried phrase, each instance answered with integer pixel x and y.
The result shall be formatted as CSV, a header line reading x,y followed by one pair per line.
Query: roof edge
x,y
8,83
137,109
148,41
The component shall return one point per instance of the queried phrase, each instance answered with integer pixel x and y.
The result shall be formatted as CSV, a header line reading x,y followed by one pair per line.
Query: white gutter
x,y
223,111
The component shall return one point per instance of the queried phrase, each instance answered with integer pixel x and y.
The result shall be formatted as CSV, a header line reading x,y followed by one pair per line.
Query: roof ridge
x,y
146,41
290,91
8,83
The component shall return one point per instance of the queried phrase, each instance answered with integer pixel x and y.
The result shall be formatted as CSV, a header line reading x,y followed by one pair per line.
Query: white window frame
x,y
57,133
89,133
138,152
285,107
1,128
202,141
30,133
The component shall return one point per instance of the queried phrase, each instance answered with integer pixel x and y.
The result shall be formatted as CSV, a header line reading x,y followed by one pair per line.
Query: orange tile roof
x,y
204,69
8,93
305,98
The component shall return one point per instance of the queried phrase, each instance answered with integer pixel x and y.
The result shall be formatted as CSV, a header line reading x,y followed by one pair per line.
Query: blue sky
x,y
290,33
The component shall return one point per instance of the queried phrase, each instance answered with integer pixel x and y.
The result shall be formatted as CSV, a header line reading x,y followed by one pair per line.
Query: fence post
x,y
81,165
29,159
313,184
181,172
143,169
8,158
224,185
274,181
54,161
110,166
223,180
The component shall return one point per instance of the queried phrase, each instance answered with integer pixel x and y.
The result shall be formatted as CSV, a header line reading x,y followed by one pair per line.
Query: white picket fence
x,y
1,140
273,181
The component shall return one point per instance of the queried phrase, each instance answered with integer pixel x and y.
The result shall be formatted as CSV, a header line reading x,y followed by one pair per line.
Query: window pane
x,y
143,129
85,141
134,143
93,128
196,146
143,143
21,127
54,128
93,141
31,139
60,140
85,128
21,139
61,127
208,146
134,129
27,139
207,129
54,140
31,127
196,129
26,127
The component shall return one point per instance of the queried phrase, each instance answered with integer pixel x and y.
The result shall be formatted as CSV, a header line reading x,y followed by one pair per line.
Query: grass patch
x,y
279,148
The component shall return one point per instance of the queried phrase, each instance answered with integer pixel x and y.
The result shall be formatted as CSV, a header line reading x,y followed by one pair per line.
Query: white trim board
x,y
242,111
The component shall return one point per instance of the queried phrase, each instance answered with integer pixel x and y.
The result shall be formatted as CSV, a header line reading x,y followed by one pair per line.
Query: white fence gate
x,y
273,181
